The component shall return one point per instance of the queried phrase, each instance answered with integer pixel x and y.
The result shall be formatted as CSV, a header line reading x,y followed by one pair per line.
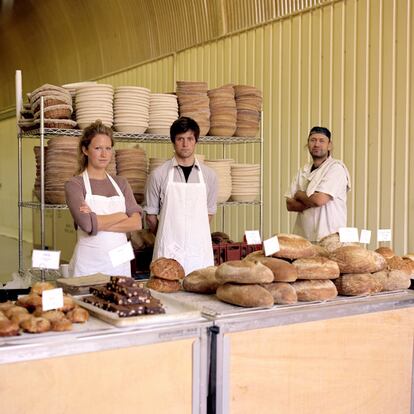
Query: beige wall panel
x,y
359,364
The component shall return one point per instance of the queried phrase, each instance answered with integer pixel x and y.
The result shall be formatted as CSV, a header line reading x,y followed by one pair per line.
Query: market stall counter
x,y
101,368
347,355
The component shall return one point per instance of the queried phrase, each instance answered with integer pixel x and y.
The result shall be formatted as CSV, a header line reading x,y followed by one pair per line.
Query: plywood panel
x,y
360,364
122,380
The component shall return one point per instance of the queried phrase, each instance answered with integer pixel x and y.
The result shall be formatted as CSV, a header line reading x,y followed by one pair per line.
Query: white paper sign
x,y
46,259
52,299
271,246
121,254
253,237
365,237
383,235
348,235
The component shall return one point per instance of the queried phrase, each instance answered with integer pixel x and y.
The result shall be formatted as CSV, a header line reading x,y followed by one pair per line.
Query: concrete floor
x,y
9,257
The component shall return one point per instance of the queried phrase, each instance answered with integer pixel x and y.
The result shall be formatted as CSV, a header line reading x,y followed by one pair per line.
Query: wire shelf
x,y
150,138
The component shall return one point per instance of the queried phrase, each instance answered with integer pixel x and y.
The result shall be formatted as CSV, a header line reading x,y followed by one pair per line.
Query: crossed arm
x,y
301,201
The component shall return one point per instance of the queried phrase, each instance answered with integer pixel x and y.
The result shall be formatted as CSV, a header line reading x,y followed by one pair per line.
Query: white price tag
x,y
383,235
271,246
52,299
365,237
348,235
121,254
46,259
253,237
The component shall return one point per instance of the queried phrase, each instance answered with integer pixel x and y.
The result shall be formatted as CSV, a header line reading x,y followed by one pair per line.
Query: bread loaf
x,y
392,279
163,285
398,263
355,259
201,281
386,252
317,267
354,284
409,256
255,255
311,290
319,251
245,295
168,269
332,242
283,293
283,271
410,264
293,247
243,271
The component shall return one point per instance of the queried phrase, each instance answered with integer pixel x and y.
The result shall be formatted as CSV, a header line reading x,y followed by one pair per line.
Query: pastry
x,y
78,315
35,325
60,325
9,328
39,287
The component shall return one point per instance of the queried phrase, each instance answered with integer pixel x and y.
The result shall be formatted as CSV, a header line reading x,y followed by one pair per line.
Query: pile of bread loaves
x,y
301,271
26,313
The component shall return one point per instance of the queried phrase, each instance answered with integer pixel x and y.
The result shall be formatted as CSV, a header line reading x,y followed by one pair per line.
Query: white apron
x,y
91,252
184,229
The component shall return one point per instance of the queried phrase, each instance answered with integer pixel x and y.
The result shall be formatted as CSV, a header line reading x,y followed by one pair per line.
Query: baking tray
x,y
175,311
211,307
80,285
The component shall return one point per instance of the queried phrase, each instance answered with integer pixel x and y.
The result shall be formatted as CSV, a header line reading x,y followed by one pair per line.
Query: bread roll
x,y
392,280
354,284
78,315
293,247
283,293
316,267
355,259
332,242
283,271
244,272
201,281
60,325
35,325
168,269
245,295
311,290
386,252
163,285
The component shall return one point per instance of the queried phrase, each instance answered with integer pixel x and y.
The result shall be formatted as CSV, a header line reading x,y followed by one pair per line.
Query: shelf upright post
x,y
42,180
261,173
19,100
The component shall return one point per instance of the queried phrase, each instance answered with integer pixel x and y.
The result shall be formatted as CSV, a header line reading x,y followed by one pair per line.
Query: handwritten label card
x,y
365,237
121,254
271,246
384,235
46,259
348,235
253,237
52,299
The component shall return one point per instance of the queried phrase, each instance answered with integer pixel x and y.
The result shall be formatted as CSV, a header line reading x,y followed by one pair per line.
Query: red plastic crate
x,y
225,252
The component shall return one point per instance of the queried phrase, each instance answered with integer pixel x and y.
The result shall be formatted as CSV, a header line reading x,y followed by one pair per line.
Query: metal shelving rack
x,y
43,133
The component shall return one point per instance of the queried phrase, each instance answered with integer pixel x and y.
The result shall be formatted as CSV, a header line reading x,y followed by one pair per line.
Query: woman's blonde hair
x,y
96,128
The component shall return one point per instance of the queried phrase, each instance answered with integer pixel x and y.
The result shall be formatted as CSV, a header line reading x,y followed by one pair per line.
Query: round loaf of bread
x,y
293,247
355,259
409,256
331,242
255,255
168,269
244,272
319,251
354,284
392,280
283,293
201,281
386,252
311,290
410,264
248,296
9,328
283,271
316,267
398,263
163,285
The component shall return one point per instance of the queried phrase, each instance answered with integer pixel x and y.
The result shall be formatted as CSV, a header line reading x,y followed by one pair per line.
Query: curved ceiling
x,y
61,41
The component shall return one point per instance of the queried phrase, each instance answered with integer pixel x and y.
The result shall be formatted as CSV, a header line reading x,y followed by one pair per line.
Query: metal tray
x,y
175,311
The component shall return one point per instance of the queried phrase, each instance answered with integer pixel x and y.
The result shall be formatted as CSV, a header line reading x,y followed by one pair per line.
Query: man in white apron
x,y
318,192
92,252
180,201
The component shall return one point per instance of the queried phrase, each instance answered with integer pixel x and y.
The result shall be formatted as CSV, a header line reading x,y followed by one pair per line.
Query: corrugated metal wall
x,y
347,65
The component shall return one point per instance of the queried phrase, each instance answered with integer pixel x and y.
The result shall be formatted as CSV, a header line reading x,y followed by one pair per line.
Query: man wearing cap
x,y
180,200
318,192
